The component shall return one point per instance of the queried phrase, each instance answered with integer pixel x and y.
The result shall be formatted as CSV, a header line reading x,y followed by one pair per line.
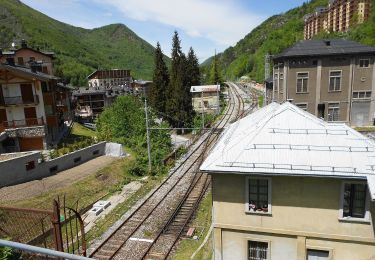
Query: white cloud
x,y
221,21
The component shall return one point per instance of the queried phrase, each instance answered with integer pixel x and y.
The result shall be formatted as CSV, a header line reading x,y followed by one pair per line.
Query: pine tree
x,y
215,74
157,95
175,87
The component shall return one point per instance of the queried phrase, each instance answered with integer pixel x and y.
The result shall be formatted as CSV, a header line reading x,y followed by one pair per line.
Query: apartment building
x,y
331,79
206,98
109,78
287,185
339,16
33,106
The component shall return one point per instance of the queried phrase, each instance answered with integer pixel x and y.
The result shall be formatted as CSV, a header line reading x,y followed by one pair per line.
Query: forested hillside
x,y
78,51
275,34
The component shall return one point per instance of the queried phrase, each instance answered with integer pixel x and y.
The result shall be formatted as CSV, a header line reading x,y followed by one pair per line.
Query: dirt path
x,y
62,179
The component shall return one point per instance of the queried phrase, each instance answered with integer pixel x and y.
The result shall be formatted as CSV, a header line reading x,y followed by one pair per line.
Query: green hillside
x,y
78,51
275,34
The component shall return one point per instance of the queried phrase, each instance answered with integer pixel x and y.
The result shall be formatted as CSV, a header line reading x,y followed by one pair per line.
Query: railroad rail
x,y
153,229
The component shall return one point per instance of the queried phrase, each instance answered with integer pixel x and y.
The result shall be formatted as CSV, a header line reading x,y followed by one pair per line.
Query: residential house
x,y
287,185
32,105
332,79
206,98
338,16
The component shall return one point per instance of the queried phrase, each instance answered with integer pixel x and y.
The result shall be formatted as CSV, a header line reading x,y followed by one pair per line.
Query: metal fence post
x,y
57,227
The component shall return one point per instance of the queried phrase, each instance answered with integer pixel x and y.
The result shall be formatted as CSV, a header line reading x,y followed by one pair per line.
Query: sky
x,y
205,25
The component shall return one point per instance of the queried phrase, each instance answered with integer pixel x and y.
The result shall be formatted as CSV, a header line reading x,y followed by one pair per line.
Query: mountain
x,y
78,51
274,35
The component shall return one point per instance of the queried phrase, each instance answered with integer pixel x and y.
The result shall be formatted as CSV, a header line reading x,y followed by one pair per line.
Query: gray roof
x,y
28,72
325,48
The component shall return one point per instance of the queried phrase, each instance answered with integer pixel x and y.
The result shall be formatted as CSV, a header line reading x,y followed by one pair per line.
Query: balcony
x,y
19,100
27,122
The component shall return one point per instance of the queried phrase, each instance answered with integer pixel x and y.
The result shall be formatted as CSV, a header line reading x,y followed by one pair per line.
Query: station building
x,y
287,185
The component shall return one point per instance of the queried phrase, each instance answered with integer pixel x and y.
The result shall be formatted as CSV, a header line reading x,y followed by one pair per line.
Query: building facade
x,y
292,191
109,78
332,79
339,16
33,107
206,99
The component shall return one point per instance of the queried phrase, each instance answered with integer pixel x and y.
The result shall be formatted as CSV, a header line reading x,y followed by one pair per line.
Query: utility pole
x,y
218,97
202,109
148,138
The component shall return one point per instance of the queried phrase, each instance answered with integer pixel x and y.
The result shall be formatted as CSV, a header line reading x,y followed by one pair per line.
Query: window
x,y
276,82
20,61
302,82
258,195
333,112
364,63
354,203
30,165
281,82
317,254
361,94
302,106
257,250
335,80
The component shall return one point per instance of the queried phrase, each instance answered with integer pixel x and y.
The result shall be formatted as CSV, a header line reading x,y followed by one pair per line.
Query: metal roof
x,y
325,48
285,140
205,88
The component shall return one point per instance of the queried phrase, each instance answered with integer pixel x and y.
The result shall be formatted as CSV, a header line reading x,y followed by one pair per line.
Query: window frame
x,y
328,108
367,217
366,92
364,59
269,195
334,77
302,103
307,85
260,240
318,248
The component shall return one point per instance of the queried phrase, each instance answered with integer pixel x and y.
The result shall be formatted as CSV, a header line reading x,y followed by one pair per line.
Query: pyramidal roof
x,y
285,140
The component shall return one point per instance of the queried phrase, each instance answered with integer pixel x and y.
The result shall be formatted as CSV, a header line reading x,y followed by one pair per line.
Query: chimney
x,y
23,44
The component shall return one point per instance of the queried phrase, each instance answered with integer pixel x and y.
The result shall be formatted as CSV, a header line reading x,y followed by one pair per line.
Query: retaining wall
x,y
28,167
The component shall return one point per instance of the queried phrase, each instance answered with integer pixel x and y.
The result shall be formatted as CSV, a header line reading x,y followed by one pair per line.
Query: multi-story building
x,y
339,16
332,79
32,104
287,185
206,99
109,78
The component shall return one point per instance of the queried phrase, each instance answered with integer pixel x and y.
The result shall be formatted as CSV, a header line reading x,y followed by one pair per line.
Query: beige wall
x,y
211,98
354,78
302,207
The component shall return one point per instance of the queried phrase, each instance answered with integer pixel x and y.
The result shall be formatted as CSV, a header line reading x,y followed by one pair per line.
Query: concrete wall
x,y
305,214
14,171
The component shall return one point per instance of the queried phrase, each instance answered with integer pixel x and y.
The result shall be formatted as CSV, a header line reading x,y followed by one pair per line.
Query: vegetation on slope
x,y
274,35
78,51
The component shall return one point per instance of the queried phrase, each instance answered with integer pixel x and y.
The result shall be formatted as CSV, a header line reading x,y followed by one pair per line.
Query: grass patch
x,y
202,223
80,130
364,128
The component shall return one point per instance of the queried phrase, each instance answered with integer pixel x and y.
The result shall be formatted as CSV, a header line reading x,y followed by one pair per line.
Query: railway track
x,y
153,229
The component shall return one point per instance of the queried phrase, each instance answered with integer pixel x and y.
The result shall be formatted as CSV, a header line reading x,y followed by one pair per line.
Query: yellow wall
x,y
302,207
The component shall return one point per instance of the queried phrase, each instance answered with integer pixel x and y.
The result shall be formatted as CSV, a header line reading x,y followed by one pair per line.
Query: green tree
x,y
215,73
175,87
157,96
124,122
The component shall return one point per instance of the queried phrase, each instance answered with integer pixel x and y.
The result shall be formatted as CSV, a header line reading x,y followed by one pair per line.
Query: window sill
x,y
302,92
354,220
261,213
334,91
